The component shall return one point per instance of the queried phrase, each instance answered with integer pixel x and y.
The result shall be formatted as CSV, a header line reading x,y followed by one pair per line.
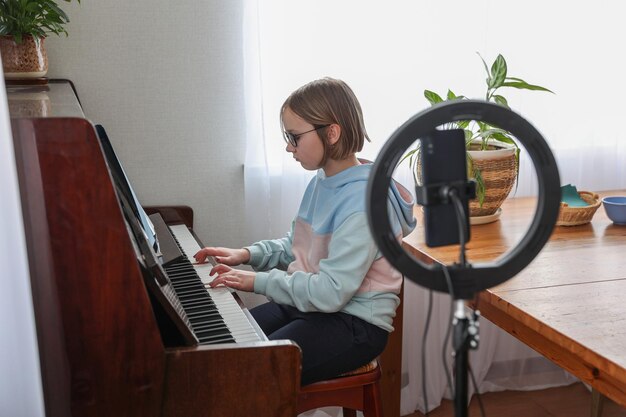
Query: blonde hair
x,y
330,101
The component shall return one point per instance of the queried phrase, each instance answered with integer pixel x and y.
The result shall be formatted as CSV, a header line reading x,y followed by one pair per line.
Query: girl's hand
x,y
224,256
233,278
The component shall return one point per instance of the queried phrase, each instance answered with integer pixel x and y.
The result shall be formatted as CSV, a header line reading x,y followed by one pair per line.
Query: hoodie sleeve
x,y
400,205
350,255
268,254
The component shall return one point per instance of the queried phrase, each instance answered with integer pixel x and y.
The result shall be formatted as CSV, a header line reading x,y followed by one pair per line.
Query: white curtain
x,y
389,53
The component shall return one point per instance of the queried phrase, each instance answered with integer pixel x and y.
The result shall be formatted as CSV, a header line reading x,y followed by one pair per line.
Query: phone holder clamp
x,y
435,194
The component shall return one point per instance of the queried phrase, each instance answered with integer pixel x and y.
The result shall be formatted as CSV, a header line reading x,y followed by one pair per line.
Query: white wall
x,y
20,379
165,80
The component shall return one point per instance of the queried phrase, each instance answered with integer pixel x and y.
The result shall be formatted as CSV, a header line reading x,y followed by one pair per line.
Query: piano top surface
x,y
55,99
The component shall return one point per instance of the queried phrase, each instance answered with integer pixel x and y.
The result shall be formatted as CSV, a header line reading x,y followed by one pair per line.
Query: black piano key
x,y
209,324
187,284
192,299
176,275
201,307
217,341
213,333
194,293
200,321
204,315
182,285
216,338
199,303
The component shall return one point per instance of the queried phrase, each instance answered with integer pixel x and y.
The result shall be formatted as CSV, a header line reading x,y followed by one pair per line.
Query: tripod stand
x,y
465,337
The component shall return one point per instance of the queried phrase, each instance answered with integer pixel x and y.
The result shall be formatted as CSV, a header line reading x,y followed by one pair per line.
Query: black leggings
x,y
331,343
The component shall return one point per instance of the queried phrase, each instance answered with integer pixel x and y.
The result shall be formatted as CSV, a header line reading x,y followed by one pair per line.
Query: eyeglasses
x,y
292,138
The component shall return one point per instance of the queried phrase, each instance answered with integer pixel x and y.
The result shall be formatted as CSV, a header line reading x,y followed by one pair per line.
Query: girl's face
x,y
310,149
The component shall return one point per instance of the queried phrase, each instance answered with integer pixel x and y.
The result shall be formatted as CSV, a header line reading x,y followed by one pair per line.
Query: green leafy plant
x,y
480,135
37,18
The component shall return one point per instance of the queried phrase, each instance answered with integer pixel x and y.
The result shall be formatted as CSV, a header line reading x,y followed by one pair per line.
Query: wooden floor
x,y
571,401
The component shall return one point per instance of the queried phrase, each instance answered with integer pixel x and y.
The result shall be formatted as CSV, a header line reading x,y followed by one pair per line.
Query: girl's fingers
x,y
230,284
220,269
200,257
227,280
217,281
227,260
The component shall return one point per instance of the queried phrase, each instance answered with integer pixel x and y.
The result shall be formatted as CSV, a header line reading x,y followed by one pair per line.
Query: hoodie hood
x,y
400,200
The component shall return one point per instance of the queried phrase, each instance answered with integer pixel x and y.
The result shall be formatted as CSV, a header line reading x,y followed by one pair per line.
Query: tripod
x,y
465,337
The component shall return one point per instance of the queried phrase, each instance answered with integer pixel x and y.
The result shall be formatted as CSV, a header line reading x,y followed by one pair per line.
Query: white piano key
x,y
233,315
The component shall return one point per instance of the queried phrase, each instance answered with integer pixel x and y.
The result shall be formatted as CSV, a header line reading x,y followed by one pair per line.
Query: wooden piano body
x,y
101,348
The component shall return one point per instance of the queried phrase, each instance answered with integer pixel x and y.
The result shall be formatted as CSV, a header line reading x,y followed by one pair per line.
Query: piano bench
x,y
356,390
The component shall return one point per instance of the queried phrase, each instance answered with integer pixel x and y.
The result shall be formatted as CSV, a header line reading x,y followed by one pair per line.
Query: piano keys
x,y
238,322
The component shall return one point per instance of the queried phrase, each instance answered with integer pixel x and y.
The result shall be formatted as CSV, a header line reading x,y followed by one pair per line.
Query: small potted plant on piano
x,y
24,25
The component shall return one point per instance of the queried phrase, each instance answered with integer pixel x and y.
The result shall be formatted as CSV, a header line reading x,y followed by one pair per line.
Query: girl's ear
x,y
333,132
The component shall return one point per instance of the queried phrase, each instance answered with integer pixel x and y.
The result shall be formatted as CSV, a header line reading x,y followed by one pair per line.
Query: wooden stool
x,y
356,390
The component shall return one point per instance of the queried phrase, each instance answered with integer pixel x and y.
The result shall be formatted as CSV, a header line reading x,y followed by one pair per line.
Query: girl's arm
x,y
350,255
269,254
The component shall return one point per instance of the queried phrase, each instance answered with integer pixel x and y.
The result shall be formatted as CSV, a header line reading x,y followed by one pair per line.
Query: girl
x,y
330,290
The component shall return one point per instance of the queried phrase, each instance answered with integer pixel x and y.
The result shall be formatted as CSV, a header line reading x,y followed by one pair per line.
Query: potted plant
x,y
24,25
492,153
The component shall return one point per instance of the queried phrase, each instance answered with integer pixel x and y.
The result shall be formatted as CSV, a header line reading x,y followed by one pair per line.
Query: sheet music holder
x,y
123,186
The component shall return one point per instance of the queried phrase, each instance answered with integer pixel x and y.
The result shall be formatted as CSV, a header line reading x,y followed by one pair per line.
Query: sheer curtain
x,y
389,53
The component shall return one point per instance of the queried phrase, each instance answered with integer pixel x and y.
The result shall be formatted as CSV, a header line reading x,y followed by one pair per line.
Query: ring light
x,y
466,280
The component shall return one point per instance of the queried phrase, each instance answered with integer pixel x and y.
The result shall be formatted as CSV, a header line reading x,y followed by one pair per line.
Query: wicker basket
x,y
499,172
574,216
499,175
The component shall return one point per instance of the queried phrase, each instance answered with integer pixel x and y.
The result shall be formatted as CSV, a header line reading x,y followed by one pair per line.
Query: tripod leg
x,y
460,367
461,362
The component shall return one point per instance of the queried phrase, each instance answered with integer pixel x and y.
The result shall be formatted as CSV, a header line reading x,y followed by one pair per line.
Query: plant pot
x,y
498,169
24,60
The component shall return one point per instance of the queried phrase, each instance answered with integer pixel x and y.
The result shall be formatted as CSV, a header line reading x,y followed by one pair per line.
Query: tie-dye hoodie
x,y
329,262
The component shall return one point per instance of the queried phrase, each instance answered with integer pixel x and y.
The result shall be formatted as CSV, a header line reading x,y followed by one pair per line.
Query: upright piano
x,y
121,332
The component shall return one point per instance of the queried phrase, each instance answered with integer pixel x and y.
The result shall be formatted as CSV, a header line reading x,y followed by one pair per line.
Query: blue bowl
x,y
615,208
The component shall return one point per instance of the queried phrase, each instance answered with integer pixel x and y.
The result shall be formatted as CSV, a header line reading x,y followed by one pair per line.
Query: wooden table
x,y
569,304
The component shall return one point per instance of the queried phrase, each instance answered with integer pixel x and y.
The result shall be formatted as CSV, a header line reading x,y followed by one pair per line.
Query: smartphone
x,y
444,163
